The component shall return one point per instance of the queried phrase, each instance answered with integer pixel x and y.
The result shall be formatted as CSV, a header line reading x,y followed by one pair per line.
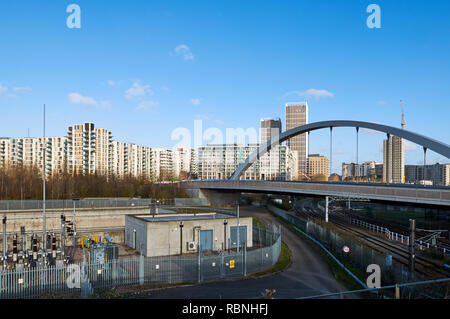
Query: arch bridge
x,y
425,142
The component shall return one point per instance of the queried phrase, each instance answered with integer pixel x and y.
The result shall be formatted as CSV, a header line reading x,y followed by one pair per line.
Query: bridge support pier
x,y
220,197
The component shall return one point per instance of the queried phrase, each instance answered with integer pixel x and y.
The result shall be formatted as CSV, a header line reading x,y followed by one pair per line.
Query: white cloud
x,y
195,101
3,90
147,106
381,102
184,51
311,93
164,88
87,101
111,83
138,91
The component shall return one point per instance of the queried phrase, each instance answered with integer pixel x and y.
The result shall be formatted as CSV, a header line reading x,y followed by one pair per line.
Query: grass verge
x,y
284,261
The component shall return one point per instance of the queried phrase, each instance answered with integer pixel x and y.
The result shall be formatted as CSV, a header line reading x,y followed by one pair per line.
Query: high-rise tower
x,y
297,115
394,157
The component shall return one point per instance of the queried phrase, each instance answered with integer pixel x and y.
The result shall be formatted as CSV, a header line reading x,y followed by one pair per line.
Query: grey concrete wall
x,y
85,218
220,198
134,224
163,238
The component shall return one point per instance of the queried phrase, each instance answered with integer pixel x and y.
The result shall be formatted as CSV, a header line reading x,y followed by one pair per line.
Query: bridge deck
x,y
383,192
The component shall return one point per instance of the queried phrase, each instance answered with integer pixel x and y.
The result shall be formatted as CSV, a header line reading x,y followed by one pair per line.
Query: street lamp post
x,y
181,237
238,228
225,222
74,222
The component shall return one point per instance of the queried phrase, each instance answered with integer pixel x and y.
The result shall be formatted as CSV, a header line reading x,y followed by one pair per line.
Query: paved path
x,y
308,275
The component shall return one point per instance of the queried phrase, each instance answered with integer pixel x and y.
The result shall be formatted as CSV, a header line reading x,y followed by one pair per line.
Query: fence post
x,y
199,263
245,259
222,261
141,269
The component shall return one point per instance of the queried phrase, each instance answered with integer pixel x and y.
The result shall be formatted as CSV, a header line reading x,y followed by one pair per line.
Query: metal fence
x,y
431,289
84,278
69,203
398,237
7,205
359,256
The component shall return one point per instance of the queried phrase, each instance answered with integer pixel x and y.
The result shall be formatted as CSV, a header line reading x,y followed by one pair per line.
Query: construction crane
x,y
403,116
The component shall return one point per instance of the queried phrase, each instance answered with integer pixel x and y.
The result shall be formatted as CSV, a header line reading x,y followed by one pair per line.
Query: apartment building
x,y
368,170
184,163
317,165
88,149
219,161
394,160
438,174
30,152
162,164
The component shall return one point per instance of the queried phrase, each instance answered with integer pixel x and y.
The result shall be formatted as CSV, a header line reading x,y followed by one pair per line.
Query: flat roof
x,y
182,217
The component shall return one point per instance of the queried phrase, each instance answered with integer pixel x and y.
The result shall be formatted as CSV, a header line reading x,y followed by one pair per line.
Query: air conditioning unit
x,y
191,246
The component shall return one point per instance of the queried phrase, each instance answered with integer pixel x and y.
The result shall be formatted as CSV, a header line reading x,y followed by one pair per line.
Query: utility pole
x,y
44,231
74,222
238,227
412,240
5,244
181,238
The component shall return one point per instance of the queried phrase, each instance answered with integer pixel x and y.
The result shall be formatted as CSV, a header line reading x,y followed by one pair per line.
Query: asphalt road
x,y
309,274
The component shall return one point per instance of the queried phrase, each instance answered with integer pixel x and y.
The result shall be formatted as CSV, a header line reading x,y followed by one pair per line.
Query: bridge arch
x,y
426,142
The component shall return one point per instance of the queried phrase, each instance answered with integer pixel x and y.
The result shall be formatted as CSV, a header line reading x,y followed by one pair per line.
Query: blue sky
x,y
143,68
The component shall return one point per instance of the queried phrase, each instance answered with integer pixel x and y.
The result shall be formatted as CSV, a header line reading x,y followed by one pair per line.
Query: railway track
x,y
423,265
442,243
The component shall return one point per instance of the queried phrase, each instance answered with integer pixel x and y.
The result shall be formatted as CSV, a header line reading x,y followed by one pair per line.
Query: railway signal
x,y
346,249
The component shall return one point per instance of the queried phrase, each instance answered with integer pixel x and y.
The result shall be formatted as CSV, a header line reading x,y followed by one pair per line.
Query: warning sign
x,y
232,263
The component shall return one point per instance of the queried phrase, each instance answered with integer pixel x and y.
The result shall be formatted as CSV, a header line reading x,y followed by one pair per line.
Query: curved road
x,y
309,274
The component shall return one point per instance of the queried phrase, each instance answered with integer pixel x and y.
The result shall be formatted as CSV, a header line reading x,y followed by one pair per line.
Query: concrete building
x,y
317,165
368,170
269,128
278,164
437,174
162,164
89,149
297,115
219,161
184,163
161,235
394,160
29,151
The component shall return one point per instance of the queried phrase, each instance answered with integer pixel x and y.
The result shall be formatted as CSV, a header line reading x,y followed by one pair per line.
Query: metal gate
x,y
234,237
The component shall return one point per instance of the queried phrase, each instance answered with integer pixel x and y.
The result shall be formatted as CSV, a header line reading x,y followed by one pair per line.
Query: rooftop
x,y
182,217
